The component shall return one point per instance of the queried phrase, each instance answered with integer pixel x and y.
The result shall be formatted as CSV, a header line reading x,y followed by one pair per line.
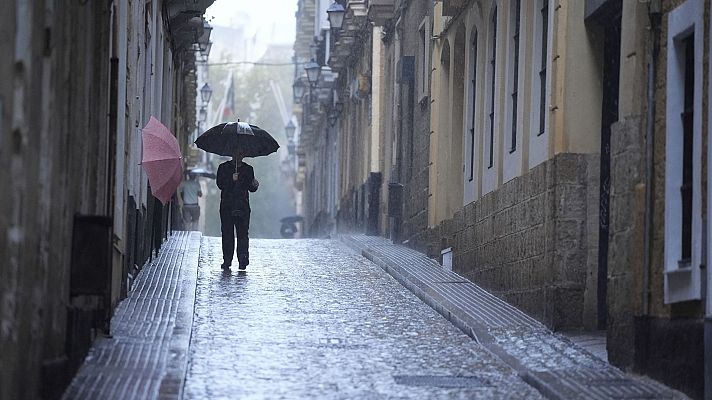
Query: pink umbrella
x,y
161,160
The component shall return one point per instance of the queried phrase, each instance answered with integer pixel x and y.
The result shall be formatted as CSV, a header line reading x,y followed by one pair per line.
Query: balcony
x,y
380,11
348,40
185,19
358,8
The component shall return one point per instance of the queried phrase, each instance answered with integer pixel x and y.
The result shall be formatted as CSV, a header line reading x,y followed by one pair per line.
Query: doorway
x,y
609,116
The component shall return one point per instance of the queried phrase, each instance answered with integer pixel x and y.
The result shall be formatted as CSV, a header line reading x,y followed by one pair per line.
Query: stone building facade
x,y
523,144
77,219
660,201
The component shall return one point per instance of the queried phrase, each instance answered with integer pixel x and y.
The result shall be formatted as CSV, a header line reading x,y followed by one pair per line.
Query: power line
x,y
261,64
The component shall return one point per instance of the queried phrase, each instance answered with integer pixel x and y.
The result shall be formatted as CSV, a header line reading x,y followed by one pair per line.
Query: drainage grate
x,y
440,381
599,384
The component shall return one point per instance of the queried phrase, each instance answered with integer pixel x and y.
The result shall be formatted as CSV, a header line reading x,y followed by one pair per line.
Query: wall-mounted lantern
x,y
298,90
313,72
332,117
205,93
289,129
205,49
336,14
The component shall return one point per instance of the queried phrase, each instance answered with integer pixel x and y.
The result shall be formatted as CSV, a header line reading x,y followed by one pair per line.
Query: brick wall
x,y
532,242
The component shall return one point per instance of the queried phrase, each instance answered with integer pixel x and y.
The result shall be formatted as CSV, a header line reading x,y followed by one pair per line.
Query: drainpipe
x,y
654,13
708,294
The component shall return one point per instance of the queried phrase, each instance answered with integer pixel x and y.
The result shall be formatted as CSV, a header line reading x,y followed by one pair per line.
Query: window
x,y
473,62
539,145
515,74
423,59
687,117
543,56
493,75
683,154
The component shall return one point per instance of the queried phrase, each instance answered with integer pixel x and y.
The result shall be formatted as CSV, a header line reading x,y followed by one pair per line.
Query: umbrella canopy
x,y
292,219
161,160
200,171
224,138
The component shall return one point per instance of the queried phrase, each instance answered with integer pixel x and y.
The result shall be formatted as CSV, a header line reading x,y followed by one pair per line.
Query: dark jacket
x,y
234,195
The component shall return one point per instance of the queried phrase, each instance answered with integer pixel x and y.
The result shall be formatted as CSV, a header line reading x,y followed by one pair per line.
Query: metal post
x,y
708,314
708,295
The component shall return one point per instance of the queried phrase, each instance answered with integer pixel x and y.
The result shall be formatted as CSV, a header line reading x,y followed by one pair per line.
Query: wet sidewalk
x,y
146,356
549,362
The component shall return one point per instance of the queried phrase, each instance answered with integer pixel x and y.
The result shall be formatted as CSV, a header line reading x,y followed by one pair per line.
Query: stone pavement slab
x,y
146,355
551,363
310,319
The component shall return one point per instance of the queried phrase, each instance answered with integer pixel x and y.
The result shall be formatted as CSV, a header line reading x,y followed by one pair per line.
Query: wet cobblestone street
x,y
311,319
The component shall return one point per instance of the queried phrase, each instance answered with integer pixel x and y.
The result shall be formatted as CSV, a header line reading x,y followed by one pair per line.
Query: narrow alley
x,y
488,199
313,318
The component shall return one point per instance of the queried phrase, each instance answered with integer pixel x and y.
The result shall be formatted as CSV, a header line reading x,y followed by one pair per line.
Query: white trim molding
x,y
683,282
473,104
513,149
538,139
491,143
423,59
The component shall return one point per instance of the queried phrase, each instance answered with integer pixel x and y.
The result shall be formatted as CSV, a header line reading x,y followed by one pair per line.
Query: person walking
x,y
235,179
189,193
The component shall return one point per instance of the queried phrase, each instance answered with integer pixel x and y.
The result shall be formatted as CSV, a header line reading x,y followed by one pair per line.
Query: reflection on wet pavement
x,y
310,319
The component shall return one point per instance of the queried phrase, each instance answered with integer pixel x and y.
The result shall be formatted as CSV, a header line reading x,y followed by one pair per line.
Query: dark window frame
x,y
687,116
544,12
493,79
474,106
515,77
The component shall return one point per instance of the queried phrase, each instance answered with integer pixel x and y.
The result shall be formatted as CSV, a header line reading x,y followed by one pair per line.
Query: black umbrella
x,y
199,171
224,138
292,219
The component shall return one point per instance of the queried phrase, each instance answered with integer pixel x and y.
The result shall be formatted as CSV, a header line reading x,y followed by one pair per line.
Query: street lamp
x,y
298,90
336,15
289,130
205,48
205,93
313,71
332,117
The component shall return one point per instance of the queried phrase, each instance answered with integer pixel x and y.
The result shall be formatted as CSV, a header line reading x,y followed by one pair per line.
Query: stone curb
x,y
555,387
173,382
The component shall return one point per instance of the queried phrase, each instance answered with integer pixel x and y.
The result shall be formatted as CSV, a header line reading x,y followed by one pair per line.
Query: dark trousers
x,y
229,225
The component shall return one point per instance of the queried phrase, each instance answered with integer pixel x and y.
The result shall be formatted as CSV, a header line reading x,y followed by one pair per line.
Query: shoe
x,y
225,266
242,267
